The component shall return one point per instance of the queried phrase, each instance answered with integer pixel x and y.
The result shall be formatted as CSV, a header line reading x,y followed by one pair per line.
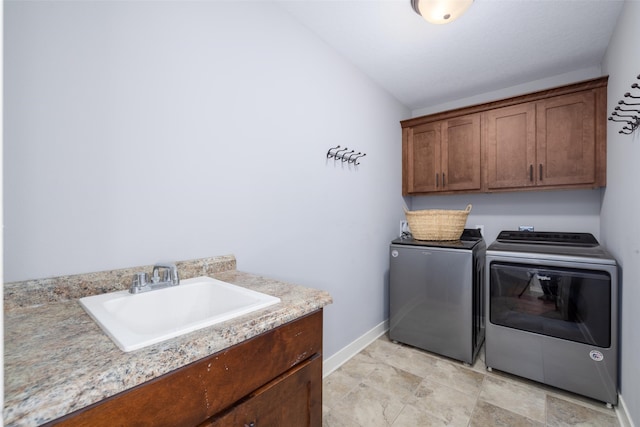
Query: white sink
x,y
134,321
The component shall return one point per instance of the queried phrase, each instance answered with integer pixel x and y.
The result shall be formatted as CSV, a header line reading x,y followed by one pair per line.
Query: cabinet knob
x,y
251,424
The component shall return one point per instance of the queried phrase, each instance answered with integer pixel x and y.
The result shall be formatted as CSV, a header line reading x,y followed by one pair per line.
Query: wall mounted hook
x,y
631,120
351,157
344,158
615,113
330,154
621,121
356,157
338,153
622,109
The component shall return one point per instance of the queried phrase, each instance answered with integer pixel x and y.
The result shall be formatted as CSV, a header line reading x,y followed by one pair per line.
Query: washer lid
x,y
576,246
469,239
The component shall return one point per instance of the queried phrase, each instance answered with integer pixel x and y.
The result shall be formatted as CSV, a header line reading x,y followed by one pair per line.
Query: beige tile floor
x,y
389,384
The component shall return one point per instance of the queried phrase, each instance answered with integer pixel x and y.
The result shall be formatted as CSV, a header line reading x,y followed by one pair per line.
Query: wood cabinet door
x,y
423,158
460,158
566,139
510,138
293,399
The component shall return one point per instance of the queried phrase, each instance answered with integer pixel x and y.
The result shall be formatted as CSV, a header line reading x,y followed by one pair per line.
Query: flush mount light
x,y
440,11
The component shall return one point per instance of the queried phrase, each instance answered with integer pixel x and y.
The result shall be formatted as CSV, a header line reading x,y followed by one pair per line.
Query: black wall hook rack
x,y
629,116
343,154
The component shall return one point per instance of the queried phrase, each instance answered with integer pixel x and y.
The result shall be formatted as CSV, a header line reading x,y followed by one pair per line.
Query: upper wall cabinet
x,y
510,146
544,140
443,155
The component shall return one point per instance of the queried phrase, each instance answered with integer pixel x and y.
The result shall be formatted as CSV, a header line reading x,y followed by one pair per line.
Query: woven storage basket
x,y
437,224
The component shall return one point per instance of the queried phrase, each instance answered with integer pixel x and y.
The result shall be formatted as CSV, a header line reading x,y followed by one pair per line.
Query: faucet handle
x,y
174,276
169,273
139,280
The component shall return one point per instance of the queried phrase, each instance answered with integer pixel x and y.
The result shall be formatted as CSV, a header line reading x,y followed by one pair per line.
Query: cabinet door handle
x,y
437,180
540,171
531,173
251,424
443,180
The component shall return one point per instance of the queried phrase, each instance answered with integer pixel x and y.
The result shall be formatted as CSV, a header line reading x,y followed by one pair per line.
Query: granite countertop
x,y
58,360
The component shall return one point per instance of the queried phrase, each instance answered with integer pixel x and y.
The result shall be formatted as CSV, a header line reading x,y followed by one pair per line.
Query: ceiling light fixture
x,y
440,11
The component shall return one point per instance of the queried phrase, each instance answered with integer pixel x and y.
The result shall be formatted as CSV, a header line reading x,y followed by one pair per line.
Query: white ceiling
x,y
495,44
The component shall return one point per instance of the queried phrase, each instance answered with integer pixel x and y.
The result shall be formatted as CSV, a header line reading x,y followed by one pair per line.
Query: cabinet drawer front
x,y
194,393
293,399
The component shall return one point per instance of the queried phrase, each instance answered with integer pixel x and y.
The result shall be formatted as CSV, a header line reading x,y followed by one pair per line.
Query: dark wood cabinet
x,y
286,401
545,140
422,163
546,143
273,379
566,143
442,156
510,144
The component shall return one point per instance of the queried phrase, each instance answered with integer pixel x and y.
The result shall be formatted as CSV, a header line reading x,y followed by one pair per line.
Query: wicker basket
x,y
437,224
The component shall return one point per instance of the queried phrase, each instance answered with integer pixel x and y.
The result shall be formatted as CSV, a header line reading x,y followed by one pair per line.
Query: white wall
x,y
144,131
577,210
620,221
533,86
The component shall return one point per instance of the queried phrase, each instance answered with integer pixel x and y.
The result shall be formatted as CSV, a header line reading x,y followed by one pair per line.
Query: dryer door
x,y
566,303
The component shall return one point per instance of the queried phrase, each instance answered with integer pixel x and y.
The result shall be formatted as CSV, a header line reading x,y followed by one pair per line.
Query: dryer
x,y
552,308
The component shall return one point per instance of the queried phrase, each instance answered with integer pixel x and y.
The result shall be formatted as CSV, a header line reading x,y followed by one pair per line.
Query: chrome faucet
x,y
162,276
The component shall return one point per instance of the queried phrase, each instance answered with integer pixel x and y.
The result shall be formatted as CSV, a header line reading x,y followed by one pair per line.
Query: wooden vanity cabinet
x,y
273,379
442,156
544,140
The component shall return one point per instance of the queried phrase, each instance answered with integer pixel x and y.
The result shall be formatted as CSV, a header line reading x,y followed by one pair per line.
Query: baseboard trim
x,y
623,414
342,356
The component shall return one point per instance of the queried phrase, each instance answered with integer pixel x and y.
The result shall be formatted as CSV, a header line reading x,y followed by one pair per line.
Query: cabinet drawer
x,y
194,393
293,399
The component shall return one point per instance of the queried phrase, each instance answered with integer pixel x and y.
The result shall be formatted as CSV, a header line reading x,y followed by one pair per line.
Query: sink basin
x,y
134,321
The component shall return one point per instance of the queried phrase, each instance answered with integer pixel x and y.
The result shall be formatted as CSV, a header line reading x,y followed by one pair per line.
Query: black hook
x,y
615,113
628,95
621,121
629,130
330,154
336,155
622,109
621,102
344,155
356,157
352,158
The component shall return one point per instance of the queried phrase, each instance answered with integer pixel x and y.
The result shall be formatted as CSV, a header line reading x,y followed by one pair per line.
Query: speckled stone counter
x,y
58,360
